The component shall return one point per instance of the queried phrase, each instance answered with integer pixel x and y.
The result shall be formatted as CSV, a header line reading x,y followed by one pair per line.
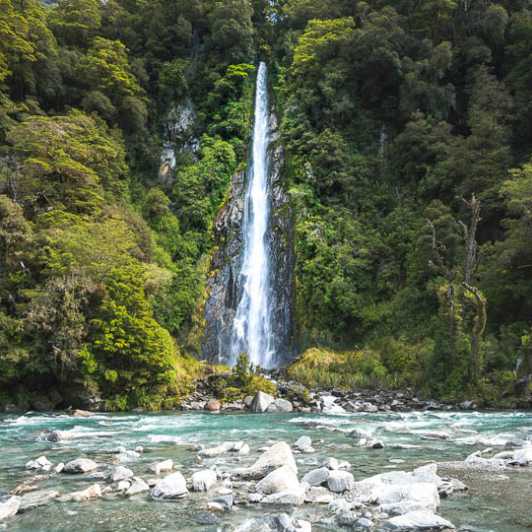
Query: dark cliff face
x,y
224,283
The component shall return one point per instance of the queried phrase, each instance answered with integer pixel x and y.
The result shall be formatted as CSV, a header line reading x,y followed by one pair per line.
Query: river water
x,y
495,501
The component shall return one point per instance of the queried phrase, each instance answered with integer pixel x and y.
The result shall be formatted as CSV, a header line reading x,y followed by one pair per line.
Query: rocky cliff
x,y
223,284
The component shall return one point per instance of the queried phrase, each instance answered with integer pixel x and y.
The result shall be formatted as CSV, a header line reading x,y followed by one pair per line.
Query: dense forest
x,y
407,129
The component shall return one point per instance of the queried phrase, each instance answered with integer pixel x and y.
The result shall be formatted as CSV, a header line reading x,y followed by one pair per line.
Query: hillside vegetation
x,y
408,133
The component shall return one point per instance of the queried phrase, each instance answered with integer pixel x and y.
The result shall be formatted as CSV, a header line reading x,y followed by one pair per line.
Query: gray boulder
x,y
173,486
302,443
282,479
276,456
340,481
203,480
9,507
261,402
81,465
121,473
138,486
317,477
281,405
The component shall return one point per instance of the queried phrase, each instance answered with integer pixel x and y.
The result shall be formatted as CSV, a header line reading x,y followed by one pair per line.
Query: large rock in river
x,y
282,479
276,456
9,507
261,402
81,465
173,486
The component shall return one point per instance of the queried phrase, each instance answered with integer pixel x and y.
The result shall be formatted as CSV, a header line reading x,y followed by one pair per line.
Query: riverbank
x,y
240,471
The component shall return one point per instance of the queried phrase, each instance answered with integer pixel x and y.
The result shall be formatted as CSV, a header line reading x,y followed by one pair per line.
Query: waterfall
x,y
252,327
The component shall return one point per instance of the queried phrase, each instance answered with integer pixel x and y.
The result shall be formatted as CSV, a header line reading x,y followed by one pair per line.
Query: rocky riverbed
x,y
265,472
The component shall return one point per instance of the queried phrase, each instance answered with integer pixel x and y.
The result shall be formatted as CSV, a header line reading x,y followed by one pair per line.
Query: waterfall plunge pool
x,y
495,501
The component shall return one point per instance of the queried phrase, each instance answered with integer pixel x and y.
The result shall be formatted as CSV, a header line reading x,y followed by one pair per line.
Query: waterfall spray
x,y
252,329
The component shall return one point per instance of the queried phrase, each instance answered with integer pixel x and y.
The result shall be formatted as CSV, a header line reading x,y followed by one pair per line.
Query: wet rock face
x,y
224,286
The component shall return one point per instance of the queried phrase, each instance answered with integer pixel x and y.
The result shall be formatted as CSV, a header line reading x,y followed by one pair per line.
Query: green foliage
x,y
347,369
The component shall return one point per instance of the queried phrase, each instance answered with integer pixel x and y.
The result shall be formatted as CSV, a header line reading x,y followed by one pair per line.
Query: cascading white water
x,y
252,329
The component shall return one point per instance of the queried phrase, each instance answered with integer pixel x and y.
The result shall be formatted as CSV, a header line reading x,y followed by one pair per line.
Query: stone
x,y
419,520
338,506
375,444
57,436
276,456
58,468
340,481
523,456
41,463
347,519
330,463
81,413
285,523
255,497
127,456
138,486
211,452
37,499
161,467
282,479
302,443
91,493
254,525
9,507
317,477
226,500
122,486
467,405
203,480
365,523
213,405
205,517
248,400
369,408
23,488
98,475
282,405
173,486
215,507
292,498
244,449
81,465
261,402
398,498
121,473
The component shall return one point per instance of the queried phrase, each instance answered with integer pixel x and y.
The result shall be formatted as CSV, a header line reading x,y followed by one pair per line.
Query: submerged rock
x,y
173,486
419,520
91,493
36,499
